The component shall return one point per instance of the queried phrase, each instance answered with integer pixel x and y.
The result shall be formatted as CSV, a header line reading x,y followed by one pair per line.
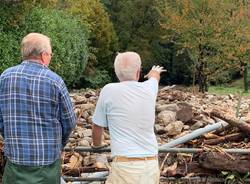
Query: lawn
x,y
234,88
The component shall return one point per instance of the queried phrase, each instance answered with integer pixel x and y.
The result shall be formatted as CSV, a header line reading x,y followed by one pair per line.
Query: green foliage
x,y
103,39
9,50
205,29
138,26
69,41
10,18
234,177
98,79
68,36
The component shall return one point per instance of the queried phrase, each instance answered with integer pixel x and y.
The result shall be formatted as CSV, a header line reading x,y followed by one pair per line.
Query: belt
x,y
129,159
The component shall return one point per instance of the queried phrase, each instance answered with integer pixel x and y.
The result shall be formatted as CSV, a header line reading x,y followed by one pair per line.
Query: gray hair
x,y
126,65
34,44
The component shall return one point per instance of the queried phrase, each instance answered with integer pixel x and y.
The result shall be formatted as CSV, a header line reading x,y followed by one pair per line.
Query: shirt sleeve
x,y
67,115
100,115
152,85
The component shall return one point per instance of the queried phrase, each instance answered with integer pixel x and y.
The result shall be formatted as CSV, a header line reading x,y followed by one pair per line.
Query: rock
x,y
77,112
89,139
182,134
89,160
186,127
168,107
247,118
89,120
83,142
80,131
159,129
75,161
90,93
208,120
87,133
174,128
185,113
166,117
72,140
87,106
85,115
197,125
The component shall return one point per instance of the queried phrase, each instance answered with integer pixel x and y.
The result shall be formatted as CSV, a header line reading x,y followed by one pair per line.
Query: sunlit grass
x,y
234,88
222,90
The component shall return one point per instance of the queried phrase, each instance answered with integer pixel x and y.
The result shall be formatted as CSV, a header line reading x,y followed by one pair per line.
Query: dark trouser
x,y
19,174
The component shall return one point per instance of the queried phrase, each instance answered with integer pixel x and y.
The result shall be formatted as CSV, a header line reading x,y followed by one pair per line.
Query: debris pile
x,y
178,112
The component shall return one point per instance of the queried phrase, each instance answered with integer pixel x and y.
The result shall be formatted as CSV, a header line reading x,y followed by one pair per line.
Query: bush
x,y
10,18
69,41
103,40
98,79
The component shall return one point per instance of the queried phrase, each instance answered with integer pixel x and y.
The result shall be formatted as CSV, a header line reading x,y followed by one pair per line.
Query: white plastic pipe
x,y
194,134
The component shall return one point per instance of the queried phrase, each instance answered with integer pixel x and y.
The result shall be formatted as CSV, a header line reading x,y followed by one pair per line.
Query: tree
x,y
240,45
203,28
102,42
137,23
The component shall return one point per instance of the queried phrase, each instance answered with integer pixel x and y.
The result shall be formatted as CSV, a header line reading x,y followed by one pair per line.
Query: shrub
x,y
69,41
10,18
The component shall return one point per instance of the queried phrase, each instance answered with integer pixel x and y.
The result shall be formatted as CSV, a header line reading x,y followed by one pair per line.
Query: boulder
x,y
168,107
174,128
167,117
185,113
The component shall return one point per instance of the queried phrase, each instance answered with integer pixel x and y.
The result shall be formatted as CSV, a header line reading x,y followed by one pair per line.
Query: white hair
x,y
34,44
126,65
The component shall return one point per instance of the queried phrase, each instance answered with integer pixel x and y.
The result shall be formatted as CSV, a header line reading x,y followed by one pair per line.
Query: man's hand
x,y
155,72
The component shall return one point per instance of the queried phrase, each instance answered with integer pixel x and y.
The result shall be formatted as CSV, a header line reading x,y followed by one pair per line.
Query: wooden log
x,y
222,162
227,138
75,172
184,169
232,120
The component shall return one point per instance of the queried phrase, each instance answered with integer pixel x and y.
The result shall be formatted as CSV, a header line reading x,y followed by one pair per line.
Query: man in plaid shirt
x,y
36,116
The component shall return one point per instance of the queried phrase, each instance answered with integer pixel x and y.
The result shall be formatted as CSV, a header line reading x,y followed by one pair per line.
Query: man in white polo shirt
x,y
127,108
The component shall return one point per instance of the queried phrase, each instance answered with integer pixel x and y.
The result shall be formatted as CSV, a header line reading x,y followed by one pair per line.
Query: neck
x,y
35,60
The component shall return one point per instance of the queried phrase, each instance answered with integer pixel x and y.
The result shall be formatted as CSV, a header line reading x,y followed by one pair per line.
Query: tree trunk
x,y
245,78
232,120
227,138
222,161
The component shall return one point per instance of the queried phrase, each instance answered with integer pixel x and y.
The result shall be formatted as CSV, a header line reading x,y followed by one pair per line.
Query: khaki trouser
x,y
18,174
134,172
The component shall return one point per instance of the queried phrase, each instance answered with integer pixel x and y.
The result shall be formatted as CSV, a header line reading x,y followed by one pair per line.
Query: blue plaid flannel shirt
x,y
36,114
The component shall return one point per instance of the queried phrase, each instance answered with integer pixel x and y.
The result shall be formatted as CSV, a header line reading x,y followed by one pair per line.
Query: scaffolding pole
x,y
163,179
161,150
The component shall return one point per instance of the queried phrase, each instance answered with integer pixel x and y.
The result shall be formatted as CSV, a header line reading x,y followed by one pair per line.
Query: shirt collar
x,y
33,62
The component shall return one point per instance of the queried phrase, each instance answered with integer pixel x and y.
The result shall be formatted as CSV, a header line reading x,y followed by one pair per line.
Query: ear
x,y
138,74
43,58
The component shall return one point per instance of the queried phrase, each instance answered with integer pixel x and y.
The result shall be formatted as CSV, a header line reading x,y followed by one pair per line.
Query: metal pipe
x,y
194,134
97,176
87,149
163,179
161,150
71,179
199,150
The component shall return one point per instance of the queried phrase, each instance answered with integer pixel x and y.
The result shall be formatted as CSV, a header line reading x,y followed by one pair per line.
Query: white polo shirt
x,y
128,110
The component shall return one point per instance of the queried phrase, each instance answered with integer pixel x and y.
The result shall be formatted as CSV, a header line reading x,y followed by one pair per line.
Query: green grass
x,y
234,88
